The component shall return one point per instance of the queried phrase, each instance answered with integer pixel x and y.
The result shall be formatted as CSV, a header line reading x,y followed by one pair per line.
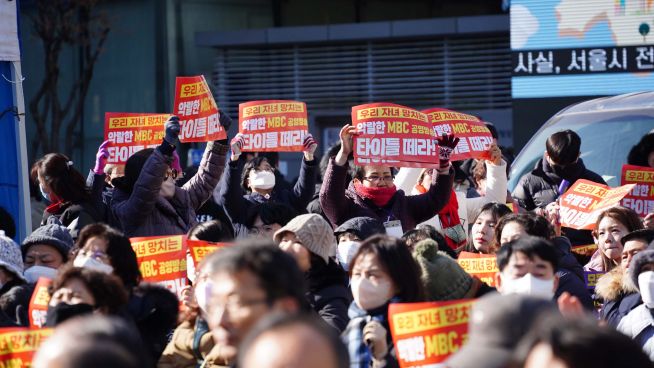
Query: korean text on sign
x,y
38,308
393,134
18,345
132,132
641,198
428,333
273,125
200,249
162,260
484,266
583,202
197,111
474,137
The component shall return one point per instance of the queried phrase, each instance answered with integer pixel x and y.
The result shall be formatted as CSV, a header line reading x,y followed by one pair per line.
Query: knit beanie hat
x,y
10,257
442,277
637,264
313,232
50,234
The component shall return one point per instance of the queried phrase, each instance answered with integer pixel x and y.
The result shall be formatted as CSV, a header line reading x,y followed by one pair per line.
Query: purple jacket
x,y
145,213
341,205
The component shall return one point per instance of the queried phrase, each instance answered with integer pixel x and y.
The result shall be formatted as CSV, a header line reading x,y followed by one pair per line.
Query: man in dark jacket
x,y
558,169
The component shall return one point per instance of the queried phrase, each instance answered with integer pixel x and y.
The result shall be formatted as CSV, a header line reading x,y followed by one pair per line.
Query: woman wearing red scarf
x,y
372,193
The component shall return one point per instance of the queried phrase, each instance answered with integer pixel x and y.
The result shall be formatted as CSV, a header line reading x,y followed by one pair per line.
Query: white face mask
x,y
190,268
368,295
33,273
167,188
346,250
92,264
201,292
646,286
263,179
528,285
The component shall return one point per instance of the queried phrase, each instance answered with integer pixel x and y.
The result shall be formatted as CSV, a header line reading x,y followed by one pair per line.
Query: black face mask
x,y
64,311
565,171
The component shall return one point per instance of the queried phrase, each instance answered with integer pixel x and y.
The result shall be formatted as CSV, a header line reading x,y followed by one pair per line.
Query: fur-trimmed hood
x,y
615,284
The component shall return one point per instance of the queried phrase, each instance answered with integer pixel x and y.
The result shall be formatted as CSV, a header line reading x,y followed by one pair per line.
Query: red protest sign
x,y
425,334
197,111
199,249
38,308
132,132
484,266
162,260
394,135
474,137
18,345
273,125
641,198
582,203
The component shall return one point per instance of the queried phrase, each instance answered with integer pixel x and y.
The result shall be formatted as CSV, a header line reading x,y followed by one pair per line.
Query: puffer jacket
x,y
619,294
639,325
146,213
571,274
340,206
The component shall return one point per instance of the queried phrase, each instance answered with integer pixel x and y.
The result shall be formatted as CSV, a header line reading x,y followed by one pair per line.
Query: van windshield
x,y
606,138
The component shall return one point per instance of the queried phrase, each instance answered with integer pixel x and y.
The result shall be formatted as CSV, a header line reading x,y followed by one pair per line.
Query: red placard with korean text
x,y
641,198
132,132
162,260
484,266
273,125
425,334
38,308
200,249
394,135
582,203
197,111
474,137
19,344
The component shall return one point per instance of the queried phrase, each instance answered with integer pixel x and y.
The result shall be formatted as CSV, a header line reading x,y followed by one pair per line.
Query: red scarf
x,y
57,204
378,195
448,215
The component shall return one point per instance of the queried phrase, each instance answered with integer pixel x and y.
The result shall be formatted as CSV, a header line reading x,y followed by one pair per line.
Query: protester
x,y
93,341
559,168
496,325
45,250
639,323
579,343
482,234
266,218
309,239
246,184
569,272
81,291
460,211
146,201
99,181
372,193
314,205
64,187
442,278
611,225
212,231
527,266
273,160
14,293
350,235
301,341
245,284
642,153
382,272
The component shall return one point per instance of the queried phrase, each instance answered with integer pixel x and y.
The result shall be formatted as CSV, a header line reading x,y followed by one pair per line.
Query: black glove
x,y
225,120
172,130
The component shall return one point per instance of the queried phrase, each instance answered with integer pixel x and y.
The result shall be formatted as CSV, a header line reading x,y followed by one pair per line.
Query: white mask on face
x,y
528,285
33,273
201,291
646,286
92,264
263,179
369,296
167,188
346,250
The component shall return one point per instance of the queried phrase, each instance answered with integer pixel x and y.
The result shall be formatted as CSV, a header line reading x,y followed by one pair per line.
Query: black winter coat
x,y
328,294
571,274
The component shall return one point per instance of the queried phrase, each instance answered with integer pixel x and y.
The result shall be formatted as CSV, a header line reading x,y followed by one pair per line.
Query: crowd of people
x,y
313,265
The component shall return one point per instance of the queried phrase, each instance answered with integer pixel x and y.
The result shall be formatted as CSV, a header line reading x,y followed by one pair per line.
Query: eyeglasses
x,y
171,173
375,179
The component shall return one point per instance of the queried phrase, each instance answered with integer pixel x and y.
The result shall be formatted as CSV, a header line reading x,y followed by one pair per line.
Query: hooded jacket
x,y
570,273
340,206
619,294
144,212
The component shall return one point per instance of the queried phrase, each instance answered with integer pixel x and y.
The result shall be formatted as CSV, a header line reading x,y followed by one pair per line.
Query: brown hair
x,y
625,216
61,177
107,290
